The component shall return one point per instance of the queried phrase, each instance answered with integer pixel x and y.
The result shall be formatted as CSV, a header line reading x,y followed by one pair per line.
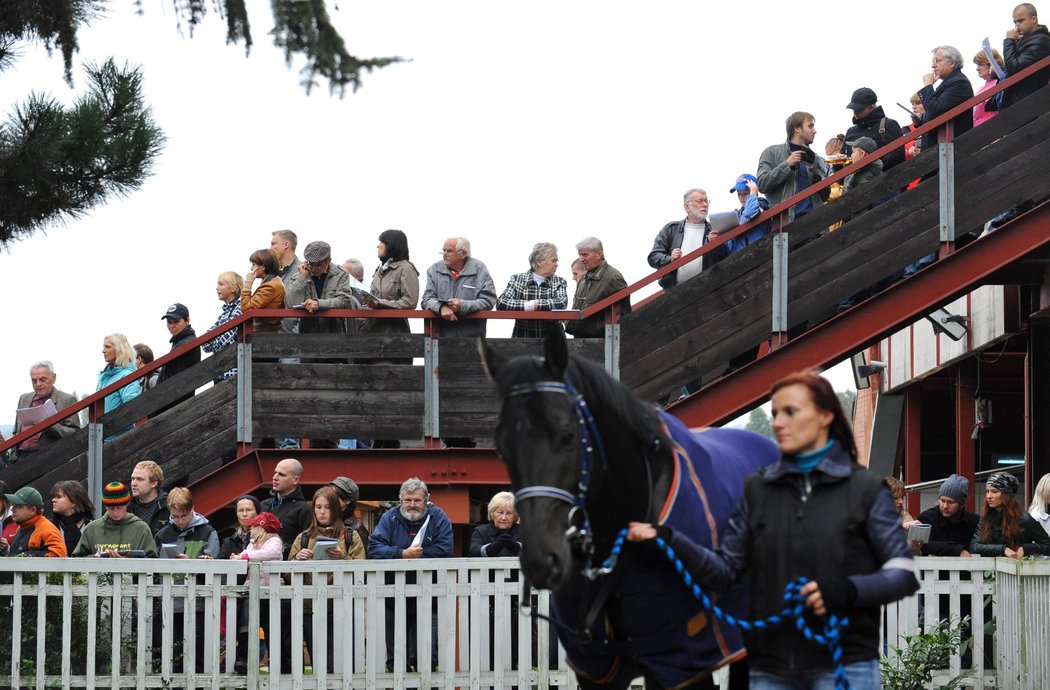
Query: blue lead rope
x,y
794,607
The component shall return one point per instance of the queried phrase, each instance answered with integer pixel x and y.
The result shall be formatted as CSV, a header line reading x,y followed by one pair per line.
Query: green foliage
x,y
53,22
912,667
847,399
58,162
302,28
760,423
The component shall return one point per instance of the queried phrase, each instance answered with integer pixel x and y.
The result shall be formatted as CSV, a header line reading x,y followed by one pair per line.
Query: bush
x,y
911,667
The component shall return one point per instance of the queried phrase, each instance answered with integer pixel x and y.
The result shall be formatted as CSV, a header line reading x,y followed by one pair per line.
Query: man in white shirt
x,y
681,237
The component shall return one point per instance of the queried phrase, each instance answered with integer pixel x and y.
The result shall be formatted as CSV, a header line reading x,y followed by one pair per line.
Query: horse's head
x,y
538,438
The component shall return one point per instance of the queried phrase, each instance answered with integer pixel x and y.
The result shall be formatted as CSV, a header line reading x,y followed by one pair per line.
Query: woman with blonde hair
x,y
120,362
1040,508
500,536
228,289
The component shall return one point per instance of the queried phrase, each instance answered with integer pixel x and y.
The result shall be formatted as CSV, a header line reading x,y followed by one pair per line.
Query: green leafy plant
x,y
912,665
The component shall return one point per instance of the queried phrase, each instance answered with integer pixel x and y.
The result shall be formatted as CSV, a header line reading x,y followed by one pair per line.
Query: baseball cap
x,y
862,98
741,182
177,311
26,496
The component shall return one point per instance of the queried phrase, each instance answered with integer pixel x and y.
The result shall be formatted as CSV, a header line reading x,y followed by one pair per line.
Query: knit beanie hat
x,y
955,487
116,494
1005,482
268,521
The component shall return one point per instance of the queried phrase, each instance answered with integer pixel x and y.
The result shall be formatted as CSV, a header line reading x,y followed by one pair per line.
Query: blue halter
x,y
578,533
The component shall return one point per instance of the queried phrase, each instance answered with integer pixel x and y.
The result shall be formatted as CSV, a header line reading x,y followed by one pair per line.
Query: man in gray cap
x,y
951,525
348,492
862,146
320,285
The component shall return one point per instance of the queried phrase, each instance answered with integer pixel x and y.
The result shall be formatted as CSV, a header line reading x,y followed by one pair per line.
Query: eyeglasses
x,y
449,251
694,202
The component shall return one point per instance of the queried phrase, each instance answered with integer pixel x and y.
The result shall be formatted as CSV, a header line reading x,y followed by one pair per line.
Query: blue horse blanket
x,y
651,616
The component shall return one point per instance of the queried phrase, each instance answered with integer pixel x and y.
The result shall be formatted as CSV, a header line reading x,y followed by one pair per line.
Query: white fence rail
x,y
92,623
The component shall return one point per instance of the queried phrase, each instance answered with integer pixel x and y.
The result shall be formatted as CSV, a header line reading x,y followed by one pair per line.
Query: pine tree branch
x,y
58,163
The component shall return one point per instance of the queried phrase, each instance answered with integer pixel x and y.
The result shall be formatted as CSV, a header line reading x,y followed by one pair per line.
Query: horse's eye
x,y
566,438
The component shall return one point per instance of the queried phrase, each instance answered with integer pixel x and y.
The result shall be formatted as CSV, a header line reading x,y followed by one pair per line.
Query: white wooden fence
x,y
99,619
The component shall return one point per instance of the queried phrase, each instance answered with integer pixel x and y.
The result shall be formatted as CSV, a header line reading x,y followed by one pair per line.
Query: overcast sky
x,y
514,123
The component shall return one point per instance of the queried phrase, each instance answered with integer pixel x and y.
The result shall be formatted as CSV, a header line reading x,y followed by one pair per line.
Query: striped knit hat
x,y
116,494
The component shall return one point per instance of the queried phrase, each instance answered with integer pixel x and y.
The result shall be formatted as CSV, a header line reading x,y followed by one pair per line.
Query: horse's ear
x,y
490,359
556,352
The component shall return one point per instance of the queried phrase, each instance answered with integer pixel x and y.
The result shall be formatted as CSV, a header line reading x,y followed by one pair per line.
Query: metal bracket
x,y
780,282
94,461
431,393
244,393
612,349
946,184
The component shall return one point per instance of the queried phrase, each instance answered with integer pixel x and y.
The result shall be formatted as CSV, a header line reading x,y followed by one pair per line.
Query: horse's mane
x,y
602,392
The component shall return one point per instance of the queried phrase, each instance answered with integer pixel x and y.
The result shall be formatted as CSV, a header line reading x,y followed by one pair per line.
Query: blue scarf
x,y
807,462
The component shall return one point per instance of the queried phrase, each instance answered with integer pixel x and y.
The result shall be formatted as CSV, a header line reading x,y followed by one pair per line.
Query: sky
x,y
513,123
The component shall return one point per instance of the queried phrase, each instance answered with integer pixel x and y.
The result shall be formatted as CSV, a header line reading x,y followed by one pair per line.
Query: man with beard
x,y
869,120
786,169
951,525
681,237
414,530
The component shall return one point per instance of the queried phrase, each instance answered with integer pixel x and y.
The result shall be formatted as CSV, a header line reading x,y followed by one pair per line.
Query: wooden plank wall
x,y
698,326
469,406
353,386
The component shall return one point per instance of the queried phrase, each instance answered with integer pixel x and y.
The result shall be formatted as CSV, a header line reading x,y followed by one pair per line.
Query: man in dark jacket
x,y
869,120
600,281
287,501
178,320
954,89
951,525
1025,44
149,502
682,237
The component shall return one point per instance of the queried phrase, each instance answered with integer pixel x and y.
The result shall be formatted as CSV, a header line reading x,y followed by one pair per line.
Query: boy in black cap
x,y
178,319
869,120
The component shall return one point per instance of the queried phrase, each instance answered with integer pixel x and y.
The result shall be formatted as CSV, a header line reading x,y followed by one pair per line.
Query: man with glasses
x,y
681,237
414,530
42,375
459,285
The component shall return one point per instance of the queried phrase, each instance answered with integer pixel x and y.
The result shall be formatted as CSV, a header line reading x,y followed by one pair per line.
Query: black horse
x,y
585,458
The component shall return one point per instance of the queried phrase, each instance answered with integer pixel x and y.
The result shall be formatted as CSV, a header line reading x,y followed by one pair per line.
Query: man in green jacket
x,y
116,534
600,281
